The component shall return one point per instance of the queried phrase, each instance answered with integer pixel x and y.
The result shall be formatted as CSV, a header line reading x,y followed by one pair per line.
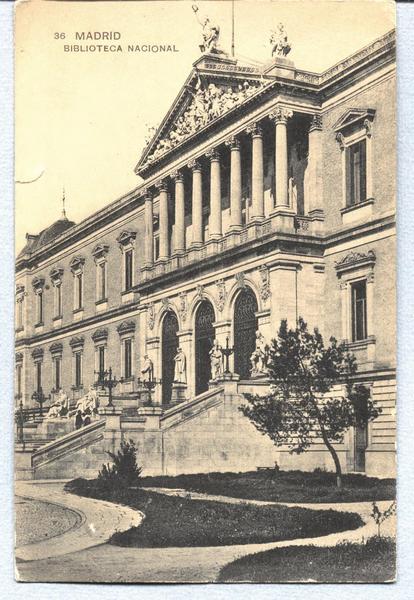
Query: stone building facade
x,y
268,193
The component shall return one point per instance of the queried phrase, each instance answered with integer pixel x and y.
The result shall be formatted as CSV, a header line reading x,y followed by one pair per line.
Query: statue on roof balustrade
x,y
279,41
210,33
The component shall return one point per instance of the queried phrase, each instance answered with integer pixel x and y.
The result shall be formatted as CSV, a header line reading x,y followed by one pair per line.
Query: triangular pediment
x,y
216,85
354,116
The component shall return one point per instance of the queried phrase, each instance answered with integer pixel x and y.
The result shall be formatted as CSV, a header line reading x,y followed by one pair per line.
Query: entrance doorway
x,y
169,350
245,327
204,338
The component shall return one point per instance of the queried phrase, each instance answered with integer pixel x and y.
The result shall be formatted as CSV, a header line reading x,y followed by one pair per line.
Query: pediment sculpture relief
x,y
207,104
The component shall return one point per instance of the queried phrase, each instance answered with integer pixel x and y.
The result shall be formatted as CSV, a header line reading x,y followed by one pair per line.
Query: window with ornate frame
x,y
56,279
100,339
354,135
100,253
77,269
37,356
126,332
56,351
126,241
77,344
20,294
355,272
19,376
38,284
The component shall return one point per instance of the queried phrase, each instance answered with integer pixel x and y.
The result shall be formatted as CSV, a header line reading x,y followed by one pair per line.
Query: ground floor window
x,y
128,358
58,372
78,369
359,310
38,376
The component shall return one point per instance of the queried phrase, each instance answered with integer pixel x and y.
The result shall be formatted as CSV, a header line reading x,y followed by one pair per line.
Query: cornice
x,y
73,327
291,243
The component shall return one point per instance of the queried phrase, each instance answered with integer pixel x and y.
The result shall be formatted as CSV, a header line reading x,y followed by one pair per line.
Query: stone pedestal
x,y
112,432
178,392
144,397
152,416
229,381
281,67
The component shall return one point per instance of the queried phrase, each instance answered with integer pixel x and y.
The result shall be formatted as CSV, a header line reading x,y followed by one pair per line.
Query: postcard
x,y
205,301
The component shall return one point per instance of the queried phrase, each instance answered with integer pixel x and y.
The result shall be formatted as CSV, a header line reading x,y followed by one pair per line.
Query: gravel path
x,y
37,520
99,521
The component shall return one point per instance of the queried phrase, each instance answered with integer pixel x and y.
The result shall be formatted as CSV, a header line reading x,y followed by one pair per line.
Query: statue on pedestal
x,y
279,41
211,33
180,371
147,370
216,358
259,357
60,407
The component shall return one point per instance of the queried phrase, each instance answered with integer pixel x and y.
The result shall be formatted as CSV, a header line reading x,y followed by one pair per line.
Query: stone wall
x,y
211,434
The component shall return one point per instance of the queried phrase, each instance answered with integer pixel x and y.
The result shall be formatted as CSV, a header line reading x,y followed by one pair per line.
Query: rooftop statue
x,y
279,41
210,33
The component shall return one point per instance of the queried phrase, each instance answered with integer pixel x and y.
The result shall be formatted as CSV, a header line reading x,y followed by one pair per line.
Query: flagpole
x,y
232,27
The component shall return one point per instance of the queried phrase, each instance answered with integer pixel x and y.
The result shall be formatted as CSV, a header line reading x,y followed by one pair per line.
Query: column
x,y
235,184
197,203
179,241
314,201
149,230
215,228
163,208
280,116
257,171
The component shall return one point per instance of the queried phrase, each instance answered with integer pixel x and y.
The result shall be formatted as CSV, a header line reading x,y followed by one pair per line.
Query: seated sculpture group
x,y
86,407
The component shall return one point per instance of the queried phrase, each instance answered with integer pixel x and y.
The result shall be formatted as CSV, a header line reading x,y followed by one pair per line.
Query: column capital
x,y
177,175
194,165
280,115
213,154
255,130
316,122
233,143
161,186
146,194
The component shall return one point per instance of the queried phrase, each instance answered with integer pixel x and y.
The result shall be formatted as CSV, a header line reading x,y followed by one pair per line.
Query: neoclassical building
x,y
268,193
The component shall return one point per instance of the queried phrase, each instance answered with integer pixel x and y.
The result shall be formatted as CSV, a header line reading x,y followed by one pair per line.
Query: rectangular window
x,y
357,172
128,270
38,376
39,307
57,373
19,380
78,369
101,360
19,310
101,283
78,291
359,310
127,358
58,300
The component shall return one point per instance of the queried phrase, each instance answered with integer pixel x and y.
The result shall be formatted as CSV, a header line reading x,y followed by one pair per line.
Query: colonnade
x,y
279,117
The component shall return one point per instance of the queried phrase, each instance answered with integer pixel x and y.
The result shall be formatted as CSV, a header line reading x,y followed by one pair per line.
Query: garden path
x,y
107,563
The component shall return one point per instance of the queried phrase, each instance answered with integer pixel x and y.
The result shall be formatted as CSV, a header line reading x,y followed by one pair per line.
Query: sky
x,y
81,118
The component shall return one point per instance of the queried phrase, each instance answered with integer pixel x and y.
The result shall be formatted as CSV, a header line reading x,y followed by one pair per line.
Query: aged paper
x,y
205,362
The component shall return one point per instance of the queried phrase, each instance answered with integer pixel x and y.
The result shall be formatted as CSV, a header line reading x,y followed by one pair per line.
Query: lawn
x,y
347,562
171,521
285,486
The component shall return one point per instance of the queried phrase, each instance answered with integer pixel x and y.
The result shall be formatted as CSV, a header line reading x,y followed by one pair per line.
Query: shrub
x,y
124,472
